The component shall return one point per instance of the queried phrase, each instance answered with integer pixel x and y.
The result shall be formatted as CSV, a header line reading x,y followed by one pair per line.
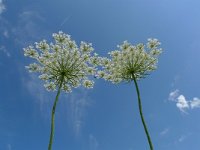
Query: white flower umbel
x,y
131,63
62,65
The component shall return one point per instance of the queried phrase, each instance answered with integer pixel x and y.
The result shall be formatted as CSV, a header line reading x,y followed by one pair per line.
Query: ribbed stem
x,y
141,114
53,115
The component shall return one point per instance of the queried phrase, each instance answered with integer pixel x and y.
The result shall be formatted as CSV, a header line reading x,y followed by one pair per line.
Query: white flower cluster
x,y
63,63
130,61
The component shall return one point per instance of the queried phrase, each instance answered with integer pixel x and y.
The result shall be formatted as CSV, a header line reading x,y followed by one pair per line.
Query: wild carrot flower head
x,y
130,61
63,61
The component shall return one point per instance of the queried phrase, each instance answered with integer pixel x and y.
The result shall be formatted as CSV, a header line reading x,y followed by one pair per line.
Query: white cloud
x,y
2,7
195,103
164,132
182,103
93,143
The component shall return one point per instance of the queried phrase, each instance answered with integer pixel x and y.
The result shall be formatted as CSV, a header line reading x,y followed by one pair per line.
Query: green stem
x,y
53,115
141,114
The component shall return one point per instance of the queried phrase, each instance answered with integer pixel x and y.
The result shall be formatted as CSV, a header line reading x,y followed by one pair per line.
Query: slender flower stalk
x,y
141,115
63,66
53,115
131,63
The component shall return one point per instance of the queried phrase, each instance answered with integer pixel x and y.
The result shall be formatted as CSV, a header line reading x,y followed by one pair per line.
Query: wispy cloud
x,y
182,138
93,143
164,132
173,95
175,81
5,28
5,51
2,7
182,103
78,102
36,89
29,26
5,33
65,20
9,147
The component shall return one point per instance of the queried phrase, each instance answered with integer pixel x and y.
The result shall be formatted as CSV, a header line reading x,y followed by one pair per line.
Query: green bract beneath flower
x,y
62,61
130,61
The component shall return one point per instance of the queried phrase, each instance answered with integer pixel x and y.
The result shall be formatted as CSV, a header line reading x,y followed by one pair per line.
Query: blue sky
x,y
106,117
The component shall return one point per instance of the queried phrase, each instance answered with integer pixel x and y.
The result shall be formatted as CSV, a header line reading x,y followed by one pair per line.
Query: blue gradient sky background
x,y
106,117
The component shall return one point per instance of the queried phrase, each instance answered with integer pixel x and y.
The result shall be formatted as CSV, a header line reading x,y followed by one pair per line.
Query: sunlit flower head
x,y
63,62
130,61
